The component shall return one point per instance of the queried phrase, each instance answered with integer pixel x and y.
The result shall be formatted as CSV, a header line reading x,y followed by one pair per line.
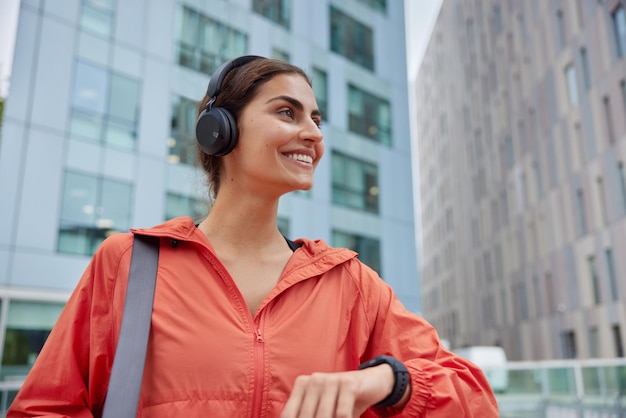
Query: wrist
x,y
400,381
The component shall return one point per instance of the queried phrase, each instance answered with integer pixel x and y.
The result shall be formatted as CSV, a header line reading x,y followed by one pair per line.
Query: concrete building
x,y
98,133
522,140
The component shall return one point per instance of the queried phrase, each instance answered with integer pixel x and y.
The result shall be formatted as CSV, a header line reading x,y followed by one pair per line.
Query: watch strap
x,y
402,378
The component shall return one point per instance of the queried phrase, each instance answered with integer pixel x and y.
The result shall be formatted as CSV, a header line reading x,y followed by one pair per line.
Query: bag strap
x,y
122,397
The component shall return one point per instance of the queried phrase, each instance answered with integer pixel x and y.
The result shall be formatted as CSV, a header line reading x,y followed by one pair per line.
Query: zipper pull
x,y
259,337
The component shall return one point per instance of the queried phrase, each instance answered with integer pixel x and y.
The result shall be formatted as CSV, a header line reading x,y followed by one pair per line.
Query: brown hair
x,y
239,87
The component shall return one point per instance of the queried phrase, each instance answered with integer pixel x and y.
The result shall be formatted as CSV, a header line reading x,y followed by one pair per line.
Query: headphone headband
x,y
215,83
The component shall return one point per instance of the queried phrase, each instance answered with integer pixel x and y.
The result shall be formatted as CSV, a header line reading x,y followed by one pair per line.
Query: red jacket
x,y
208,356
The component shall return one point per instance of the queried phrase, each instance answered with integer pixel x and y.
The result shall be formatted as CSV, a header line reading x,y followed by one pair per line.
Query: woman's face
x,y
280,142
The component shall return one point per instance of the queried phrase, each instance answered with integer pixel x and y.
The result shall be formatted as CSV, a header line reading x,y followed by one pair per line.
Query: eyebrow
x,y
295,103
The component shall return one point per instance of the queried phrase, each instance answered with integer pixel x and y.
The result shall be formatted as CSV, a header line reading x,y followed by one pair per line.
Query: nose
x,y
311,132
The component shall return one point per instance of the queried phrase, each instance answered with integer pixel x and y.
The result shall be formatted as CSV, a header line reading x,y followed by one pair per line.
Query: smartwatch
x,y
401,374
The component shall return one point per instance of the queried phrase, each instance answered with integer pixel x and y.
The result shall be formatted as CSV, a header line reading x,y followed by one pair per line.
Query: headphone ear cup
x,y
216,131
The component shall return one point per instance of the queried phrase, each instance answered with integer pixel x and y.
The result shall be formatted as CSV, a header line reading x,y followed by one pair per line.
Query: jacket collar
x,y
313,258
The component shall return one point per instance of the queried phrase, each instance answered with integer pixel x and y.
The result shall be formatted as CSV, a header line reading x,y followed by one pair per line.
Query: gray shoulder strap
x,y
130,355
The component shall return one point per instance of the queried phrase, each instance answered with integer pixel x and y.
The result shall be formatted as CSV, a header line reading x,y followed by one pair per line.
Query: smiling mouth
x,y
301,157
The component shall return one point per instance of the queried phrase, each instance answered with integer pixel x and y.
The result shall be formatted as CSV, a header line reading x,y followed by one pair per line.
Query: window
x,y
522,300
610,267
180,205
602,200
550,299
622,182
568,344
203,43
580,206
352,39
560,24
623,88
182,140
105,106
619,27
539,183
609,119
93,208
279,54
355,183
570,75
584,59
320,88
28,327
617,340
369,115
594,346
497,18
368,248
278,11
96,17
538,295
595,280
283,226
378,5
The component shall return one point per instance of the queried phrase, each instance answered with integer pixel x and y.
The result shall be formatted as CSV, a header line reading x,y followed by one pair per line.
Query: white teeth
x,y
301,157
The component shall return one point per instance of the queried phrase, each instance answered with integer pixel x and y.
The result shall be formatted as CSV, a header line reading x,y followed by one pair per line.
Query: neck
x,y
243,222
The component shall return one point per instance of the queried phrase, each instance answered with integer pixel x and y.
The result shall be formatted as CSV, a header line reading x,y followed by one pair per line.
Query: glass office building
x,y
522,143
98,137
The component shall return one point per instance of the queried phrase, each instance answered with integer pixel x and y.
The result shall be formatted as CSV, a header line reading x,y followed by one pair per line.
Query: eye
x,y
318,122
287,112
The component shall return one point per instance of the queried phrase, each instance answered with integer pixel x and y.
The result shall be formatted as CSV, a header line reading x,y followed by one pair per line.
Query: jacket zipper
x,y
259,366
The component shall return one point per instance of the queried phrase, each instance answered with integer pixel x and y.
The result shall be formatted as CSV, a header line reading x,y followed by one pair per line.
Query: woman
x,y
246,323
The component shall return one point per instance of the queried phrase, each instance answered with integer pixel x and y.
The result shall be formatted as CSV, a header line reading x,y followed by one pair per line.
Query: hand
x,y
338,395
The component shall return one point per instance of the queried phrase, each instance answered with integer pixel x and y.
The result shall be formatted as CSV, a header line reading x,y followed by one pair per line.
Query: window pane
x,y
182,141
368,248
351,39
320,87
355,183
203,43
90,89
115,210
86,126
369,115
28,326
570,74
92,210
124,102
33,315
378,5
283,226
96,17
121,134
79,199
619,25
275,10
179,205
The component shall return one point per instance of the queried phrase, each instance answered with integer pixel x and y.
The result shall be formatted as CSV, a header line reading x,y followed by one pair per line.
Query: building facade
x,y
522,144
98,136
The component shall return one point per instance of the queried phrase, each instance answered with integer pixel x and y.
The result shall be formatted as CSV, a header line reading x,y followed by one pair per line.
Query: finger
x,y
345,403
292,407
326,405
312,394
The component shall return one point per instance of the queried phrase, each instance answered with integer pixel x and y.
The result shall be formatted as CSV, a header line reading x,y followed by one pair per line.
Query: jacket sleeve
x,y
70,375
443,384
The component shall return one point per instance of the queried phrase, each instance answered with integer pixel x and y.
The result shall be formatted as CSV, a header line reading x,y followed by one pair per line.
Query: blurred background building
x,y
520,108
98,136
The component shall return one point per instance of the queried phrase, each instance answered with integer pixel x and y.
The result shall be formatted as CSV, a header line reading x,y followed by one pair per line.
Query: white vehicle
x,y
492,361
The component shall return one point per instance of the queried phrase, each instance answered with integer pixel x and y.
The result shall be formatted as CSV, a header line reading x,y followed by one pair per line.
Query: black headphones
x,y
216,127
